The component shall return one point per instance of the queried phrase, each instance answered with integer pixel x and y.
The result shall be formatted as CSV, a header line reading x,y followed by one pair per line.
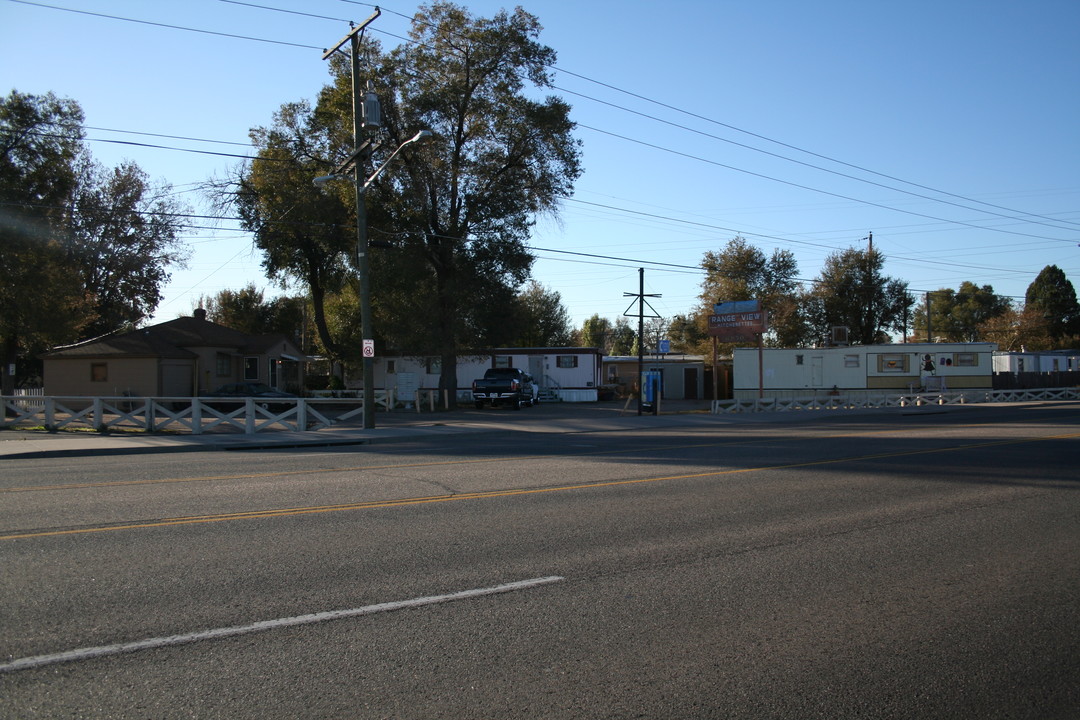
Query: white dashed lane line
x,y
264,625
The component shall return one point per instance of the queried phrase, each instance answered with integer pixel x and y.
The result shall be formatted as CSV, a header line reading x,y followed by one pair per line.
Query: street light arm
x,y
422,135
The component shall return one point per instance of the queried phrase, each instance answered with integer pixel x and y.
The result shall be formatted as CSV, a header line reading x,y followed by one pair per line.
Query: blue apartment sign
x,y
739,306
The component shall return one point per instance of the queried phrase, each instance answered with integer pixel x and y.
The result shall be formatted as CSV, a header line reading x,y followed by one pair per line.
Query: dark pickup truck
x,y
505,386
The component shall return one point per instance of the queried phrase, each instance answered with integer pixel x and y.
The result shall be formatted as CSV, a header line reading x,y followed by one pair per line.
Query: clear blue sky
x,y
947,128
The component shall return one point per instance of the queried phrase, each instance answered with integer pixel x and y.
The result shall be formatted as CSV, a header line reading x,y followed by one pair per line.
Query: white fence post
x,y
98,420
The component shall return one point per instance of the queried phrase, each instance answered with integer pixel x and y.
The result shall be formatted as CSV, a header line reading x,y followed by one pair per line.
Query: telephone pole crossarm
x,y
641,303
352,33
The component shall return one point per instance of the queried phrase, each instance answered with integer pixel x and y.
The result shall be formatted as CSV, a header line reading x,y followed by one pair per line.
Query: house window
x,y
224,365
851,361
433,366
391,367
966,359
99,372
251,368
502,361
566,361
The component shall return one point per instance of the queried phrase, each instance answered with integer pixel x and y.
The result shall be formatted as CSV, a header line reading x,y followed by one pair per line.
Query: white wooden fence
x,y
192,415
957,397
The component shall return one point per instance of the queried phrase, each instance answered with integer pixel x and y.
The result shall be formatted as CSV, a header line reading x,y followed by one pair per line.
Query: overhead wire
x,y
625,138
1050,222
620,90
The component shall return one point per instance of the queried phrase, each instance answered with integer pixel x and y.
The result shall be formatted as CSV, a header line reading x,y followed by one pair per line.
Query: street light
x,y
363,271
366,116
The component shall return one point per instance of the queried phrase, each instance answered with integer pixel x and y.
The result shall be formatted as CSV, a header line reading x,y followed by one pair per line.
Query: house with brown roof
x,y
185,357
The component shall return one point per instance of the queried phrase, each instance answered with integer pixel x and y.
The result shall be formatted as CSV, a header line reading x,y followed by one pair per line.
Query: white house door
x,y
536,369
817,378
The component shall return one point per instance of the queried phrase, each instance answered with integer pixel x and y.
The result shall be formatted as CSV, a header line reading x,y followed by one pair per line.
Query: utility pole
x,y
869,323
641,303
361,150
929,335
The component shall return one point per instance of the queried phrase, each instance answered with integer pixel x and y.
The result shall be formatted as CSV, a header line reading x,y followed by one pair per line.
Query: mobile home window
x,y
798,359
851,361
502,361
433,366
224,365
391,367
893,363
566,361
251,368
99,372
966,359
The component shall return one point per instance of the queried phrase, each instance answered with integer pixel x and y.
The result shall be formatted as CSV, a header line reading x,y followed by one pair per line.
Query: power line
x,y
789,146
813,189
817,167
168,137
167,25
1044,220
245,157
1050,222
658,103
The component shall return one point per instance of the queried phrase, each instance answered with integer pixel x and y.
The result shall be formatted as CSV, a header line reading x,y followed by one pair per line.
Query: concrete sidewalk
x,y
553,418
389,427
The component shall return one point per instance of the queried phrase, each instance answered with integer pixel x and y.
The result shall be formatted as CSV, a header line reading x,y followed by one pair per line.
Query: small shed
x,y
862,369
682,377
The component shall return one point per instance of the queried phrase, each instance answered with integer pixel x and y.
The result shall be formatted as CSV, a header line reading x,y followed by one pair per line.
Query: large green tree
x,y
852,291
248,311
461,207
40,141
1053,296
688,335
455,213
83,250
595,332
741,271
543,319
122,236
959,315
307,236
616,338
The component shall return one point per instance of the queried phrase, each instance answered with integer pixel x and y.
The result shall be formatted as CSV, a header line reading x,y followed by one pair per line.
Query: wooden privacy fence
x,y
869,401
192,415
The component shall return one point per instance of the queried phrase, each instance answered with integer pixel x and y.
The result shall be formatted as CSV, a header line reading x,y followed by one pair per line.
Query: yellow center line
x,y
403,502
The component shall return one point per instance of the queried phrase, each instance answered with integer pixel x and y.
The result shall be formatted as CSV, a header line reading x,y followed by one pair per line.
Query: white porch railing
x,y
841,402
179,414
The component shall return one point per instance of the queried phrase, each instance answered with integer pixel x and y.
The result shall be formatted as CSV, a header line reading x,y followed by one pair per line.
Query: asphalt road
x,y
875,565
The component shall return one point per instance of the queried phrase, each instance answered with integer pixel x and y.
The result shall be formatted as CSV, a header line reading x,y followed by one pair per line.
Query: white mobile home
x,y
862,369
1048,361
566,374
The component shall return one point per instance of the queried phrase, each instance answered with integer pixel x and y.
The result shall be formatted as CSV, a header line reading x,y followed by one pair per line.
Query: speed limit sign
x,y
369,348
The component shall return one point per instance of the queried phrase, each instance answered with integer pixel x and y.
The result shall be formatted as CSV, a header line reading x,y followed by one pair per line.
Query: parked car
x,y
505,386
236,393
